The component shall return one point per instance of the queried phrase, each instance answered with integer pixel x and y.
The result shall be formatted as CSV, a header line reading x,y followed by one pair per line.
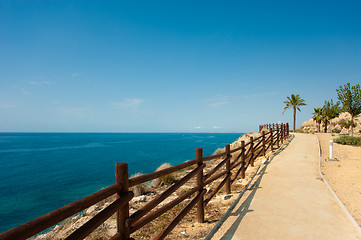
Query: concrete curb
x,y
333,193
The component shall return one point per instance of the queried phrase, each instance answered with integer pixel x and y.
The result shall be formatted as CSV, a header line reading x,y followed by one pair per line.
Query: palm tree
x,y
317,116
294,102
329,112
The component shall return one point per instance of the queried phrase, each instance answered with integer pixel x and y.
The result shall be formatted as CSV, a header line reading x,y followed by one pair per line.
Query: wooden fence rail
x,y
272,135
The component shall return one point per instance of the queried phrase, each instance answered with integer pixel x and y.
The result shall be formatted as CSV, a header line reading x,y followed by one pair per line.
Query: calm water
x,y
44,171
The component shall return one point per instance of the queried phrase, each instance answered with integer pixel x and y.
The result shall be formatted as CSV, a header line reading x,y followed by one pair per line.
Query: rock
x,y
141,198
227,197
92,209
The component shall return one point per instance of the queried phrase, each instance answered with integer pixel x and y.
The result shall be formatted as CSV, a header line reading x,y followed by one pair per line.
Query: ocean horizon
x,y
44,171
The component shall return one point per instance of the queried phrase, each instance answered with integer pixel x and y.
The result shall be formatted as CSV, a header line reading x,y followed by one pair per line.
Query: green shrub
x,y
347,124
336,130
348,140
359,131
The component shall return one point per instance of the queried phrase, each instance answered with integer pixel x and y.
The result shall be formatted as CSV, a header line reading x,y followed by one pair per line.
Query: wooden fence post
x,y
271,137
200,183
263,144
228,168
251,151
259,128
288,129
282,133
243,160
278,135
122,177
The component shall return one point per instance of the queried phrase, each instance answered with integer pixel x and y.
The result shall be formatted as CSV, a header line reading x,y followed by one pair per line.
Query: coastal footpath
x,y
288,199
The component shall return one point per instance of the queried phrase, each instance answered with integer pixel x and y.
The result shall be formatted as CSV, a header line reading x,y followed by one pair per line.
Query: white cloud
x,y
218,100
128,103
255,95
216,127
74,74
198,127
39,83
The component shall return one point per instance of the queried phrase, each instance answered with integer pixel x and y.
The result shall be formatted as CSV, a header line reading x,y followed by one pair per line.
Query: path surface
x,y
289,200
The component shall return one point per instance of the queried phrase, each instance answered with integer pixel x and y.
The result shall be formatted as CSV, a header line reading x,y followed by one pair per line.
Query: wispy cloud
x,y
218,100
217,127
128,103
74,74
217,104
255,95
39,83
198,127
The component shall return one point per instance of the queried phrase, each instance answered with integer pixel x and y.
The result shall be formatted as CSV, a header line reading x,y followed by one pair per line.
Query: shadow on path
x,y
244,208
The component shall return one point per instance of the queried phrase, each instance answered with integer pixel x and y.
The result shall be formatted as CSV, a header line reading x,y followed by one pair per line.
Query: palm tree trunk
x,y
325,126
319,126
352,126
294,119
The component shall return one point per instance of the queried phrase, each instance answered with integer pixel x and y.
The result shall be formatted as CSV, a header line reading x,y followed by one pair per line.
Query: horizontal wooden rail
x,y
219,165
147,177
180,216
237,173
275,134
239,148
98,219
151,216
237,158
39,224
214,156
216,190
214,177
152,204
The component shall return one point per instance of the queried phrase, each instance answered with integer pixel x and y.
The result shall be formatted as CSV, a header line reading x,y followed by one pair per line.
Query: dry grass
x,y
163,180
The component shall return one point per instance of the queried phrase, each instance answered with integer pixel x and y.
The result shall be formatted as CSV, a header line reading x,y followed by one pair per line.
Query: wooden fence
x,y
229,168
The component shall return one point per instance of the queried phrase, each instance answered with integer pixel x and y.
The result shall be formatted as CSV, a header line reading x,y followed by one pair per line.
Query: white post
x,y
331,149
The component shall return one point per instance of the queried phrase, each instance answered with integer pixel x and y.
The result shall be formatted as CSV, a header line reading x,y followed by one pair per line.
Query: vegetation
x,y
346,124
348,140
163,180
294,102
317,116
350,97
329,112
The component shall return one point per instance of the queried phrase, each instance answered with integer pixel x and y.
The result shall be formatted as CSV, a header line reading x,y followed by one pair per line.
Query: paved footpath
x,y
289,200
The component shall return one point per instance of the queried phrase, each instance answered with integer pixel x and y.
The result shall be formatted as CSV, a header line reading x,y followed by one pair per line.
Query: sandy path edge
x,y
347,213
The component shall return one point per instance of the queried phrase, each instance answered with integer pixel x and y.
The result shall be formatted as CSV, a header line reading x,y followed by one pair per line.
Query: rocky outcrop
x,y
311,126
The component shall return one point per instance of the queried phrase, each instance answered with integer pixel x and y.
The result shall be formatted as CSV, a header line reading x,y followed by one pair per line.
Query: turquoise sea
x,y
41,172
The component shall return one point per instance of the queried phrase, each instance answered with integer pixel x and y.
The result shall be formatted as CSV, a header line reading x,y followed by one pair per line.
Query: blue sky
x,y
171,66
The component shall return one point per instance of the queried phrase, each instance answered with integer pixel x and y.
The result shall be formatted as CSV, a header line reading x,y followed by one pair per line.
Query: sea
x,y
41,172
